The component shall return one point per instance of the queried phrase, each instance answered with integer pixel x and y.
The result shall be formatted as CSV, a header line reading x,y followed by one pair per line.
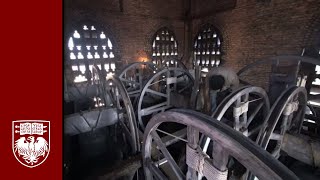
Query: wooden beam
x,y
302,148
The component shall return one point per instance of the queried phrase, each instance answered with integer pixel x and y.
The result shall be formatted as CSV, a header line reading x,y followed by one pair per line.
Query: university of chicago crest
x,y
31,141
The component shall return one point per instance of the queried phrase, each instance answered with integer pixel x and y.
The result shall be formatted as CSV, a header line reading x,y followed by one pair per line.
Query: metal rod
x,y
157,81
172,135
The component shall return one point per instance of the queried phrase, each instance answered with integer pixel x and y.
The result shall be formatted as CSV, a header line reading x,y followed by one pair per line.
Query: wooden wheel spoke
x,y
129,81
186,87
254,113
154,108
254,130
156,93
167,155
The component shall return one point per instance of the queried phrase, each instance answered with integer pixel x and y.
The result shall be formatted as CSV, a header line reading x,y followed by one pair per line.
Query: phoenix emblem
x,y
31,141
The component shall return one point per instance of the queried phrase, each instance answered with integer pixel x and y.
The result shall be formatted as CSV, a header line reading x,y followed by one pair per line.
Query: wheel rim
x,y
280,118
133,80
245,151
241,120
119,98
162,85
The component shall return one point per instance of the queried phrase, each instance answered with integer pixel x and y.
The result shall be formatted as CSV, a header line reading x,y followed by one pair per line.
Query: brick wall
x,y
131,24
257,29
251,29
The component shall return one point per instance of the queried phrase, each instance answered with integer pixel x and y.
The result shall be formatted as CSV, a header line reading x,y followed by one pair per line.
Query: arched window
x,y
89,45
164,45
316,82
207,47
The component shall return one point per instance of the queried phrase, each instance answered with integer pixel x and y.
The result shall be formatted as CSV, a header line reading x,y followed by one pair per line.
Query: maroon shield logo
x,y
31,141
